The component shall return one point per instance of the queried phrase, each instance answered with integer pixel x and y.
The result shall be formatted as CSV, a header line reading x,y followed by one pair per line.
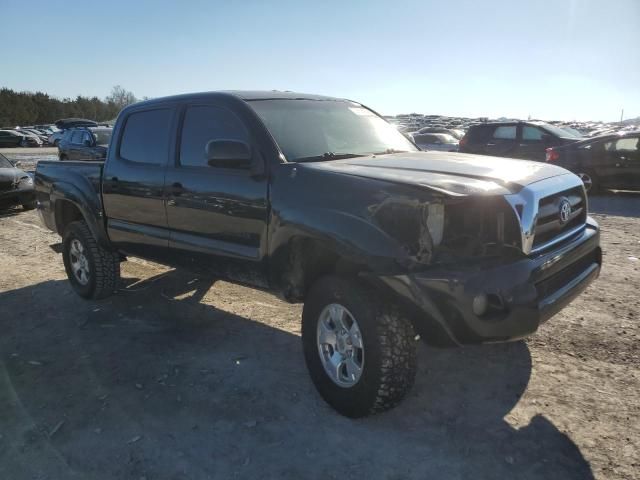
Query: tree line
x,y
28,108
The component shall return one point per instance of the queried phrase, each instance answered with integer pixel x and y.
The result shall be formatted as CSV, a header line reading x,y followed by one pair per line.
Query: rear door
x,y
84,151
74,150
625,161
217,216
133,181
531,145
502,142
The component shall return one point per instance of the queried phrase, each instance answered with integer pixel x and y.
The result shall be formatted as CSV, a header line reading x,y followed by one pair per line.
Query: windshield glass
x,y
558,132
4,163
310,128
573,132
102,137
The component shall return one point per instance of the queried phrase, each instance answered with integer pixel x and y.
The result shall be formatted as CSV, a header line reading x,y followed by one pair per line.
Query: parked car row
x,y
17,138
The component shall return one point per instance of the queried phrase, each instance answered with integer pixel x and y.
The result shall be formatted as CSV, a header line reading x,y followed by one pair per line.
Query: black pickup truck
x,y
321,201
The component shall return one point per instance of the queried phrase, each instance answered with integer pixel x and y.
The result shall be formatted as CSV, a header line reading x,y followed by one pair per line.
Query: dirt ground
x,y
177,377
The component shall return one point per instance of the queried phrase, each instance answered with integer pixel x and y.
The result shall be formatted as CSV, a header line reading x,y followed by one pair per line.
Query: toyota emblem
x,y
565,211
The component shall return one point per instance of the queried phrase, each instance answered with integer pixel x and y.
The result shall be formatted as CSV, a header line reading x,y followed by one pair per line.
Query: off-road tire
x,y
389,367
29,205
104,265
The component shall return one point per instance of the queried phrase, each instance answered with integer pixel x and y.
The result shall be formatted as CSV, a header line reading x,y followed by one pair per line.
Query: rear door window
x,y
531,134
505,132
76,137
629,144
480,134
145,138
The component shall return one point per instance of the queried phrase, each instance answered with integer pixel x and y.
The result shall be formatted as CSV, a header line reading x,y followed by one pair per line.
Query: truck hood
x,y
455,174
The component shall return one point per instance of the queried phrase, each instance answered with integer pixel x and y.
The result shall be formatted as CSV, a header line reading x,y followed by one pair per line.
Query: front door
x,y
75,145
133,182
217,215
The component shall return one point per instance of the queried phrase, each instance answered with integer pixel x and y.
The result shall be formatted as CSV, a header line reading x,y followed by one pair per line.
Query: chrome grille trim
x,y
526,204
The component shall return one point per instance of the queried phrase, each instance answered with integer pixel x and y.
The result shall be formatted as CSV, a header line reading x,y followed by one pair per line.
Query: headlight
x,y
26,181
435,222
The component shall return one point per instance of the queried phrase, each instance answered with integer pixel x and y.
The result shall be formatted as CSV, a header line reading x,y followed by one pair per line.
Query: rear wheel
x,y
360,351
92,270
590,181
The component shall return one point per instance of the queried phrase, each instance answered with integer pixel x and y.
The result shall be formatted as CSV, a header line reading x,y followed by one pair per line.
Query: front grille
x,y
558,280
549,226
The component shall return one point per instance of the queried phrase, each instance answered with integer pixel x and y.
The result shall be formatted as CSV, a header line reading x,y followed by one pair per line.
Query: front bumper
x,y
524,294
17,196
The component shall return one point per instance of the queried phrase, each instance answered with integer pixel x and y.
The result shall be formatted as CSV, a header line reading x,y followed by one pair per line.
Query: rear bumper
x,y
522,295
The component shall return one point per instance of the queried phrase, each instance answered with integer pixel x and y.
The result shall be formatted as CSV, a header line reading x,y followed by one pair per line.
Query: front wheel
x,y
360,352
590,181
29,205
92,270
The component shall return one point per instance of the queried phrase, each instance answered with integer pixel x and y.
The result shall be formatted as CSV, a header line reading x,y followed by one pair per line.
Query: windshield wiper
x,y
389,151
329,156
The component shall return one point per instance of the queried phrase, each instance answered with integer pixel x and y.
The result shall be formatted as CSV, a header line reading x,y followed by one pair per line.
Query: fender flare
x,y
92,214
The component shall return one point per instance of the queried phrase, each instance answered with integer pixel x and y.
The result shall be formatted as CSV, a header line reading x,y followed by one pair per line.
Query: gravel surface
x,y
177,377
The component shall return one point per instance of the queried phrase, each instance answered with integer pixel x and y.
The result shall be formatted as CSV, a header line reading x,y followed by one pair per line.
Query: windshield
x,y
559,132
573,132
4,163
102,137
306,129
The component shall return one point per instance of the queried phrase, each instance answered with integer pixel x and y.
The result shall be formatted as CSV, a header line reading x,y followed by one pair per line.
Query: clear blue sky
x,y
554,59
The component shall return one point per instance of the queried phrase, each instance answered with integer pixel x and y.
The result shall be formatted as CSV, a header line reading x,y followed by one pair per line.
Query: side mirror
x,y
547,139
228,154
87,143
17,164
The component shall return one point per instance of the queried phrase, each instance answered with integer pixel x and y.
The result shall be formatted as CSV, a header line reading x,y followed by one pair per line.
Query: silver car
x,y
436,141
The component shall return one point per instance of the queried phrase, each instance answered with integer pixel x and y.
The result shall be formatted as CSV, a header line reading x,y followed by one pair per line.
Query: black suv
x,y
527,140
84,143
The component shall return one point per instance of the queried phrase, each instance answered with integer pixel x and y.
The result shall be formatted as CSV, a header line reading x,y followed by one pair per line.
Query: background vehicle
x,y
84,143
610,161
11,138
29,139
436,141
55,137
455,133
321,201
526,140
38,133
16,186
